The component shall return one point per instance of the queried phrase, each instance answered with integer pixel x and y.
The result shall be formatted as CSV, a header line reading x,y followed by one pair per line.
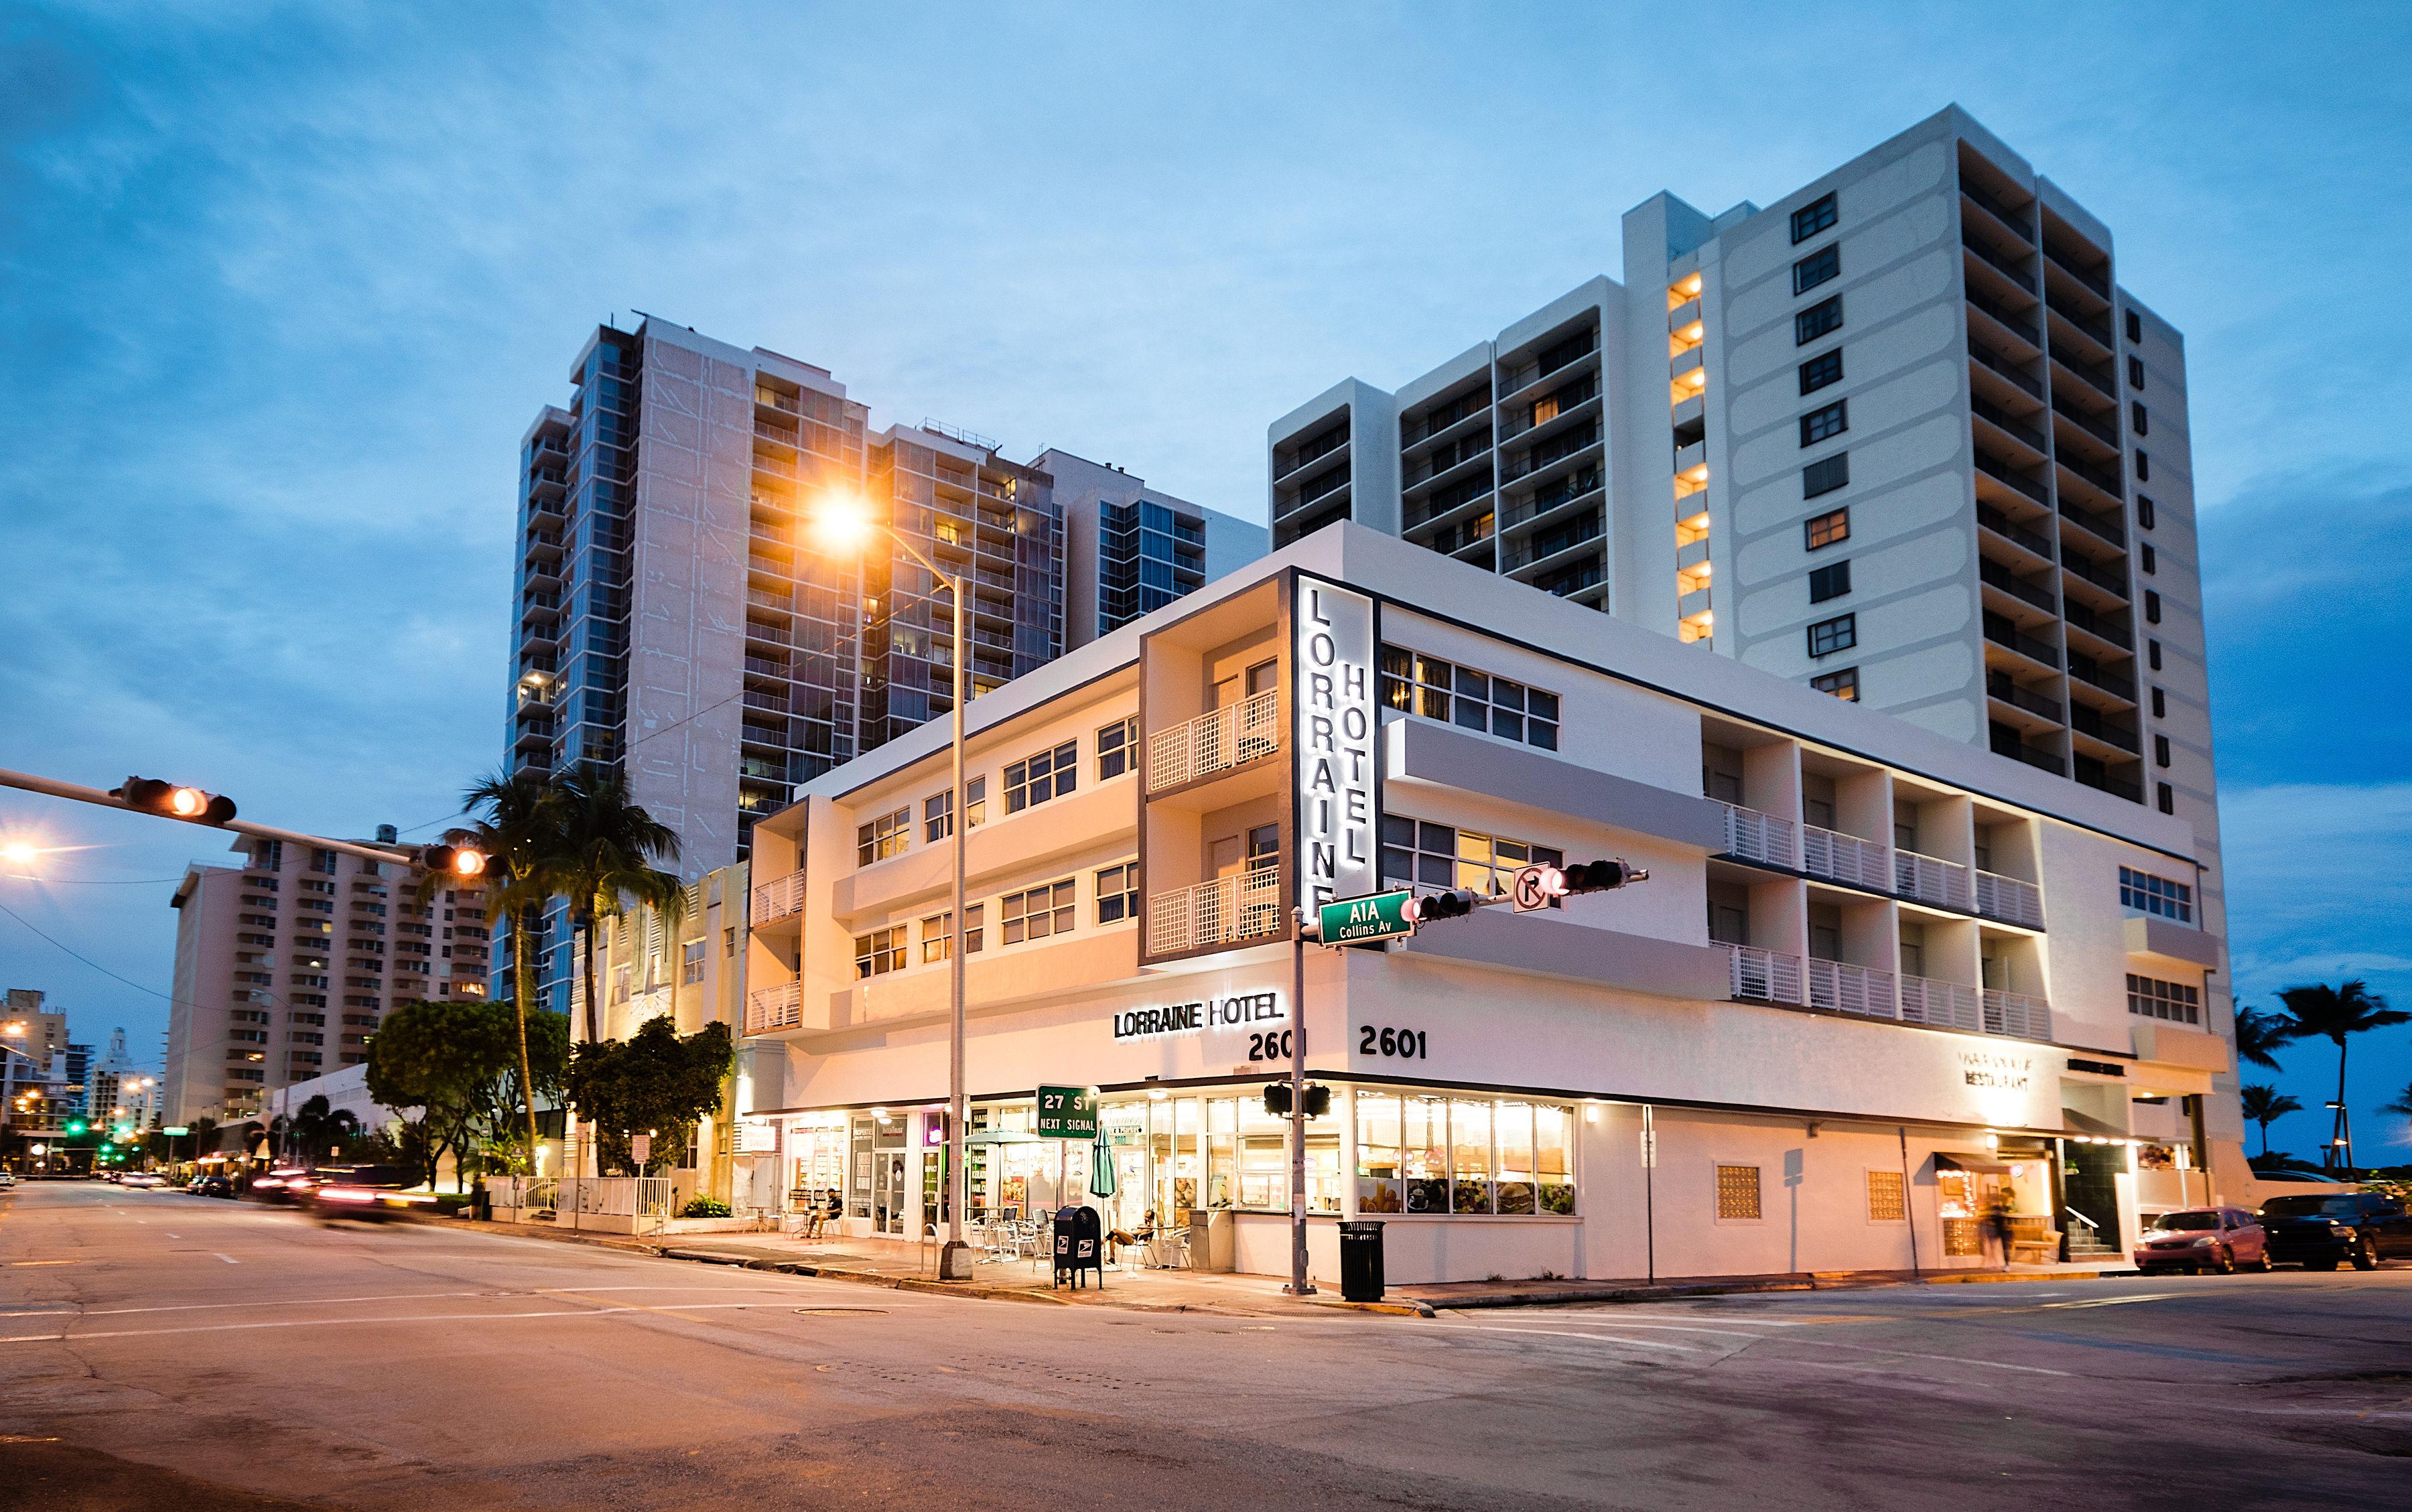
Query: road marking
x,y
40,1262
409,1317
1587,1338
2113,1301
228,1259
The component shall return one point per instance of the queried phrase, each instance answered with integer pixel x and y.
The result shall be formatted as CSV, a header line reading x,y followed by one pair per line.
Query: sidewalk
x,y
910,1267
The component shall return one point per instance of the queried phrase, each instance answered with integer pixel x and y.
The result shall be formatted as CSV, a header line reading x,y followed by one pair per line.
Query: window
x,y
1738,1194
1435,1155
883,837
620,984
1817,320
2143,467
2169,798
1417,853
2144,511
2141,892
2152,606
938,812
2135,326
1039,912
1832,580
2153,653
1826,529
1118,893
937,933
1815,217
1826,423
1818,268
2160,750
1887,1198
2135,373
1819,372
2138,421
879,952
1844,684
728,941
691,961
1826,474
1050,775
2150,998
1828,637
1117,748
1435,689
2160,704
2150,558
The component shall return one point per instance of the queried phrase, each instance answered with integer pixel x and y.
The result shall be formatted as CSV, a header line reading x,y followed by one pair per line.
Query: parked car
x,y
2203,1239
2318,1231
8,1179
366,1191
216,1186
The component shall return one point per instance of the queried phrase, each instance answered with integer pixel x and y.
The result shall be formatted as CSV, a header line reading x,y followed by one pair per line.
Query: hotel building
x,y
1880,977
286,965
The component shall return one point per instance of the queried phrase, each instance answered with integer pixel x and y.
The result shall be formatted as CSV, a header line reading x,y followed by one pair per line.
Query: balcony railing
x,y
779,898
1761,975
1231,910
1214,741
771,1008
1929,879
1941,1004
2017,1015
2010,900
1851,989
1753,836
1847,859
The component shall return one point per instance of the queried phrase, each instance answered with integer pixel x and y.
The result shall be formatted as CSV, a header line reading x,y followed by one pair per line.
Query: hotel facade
x,y
1879,980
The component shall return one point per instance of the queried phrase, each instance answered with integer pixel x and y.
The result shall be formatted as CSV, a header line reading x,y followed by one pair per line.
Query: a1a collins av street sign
x,y
1067,1113
1381,916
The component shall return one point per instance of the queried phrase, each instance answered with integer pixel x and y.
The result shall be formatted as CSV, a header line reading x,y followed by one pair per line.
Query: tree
x,y
608,846
2402,1103
520,827
444,1059
2258,1034
2265,1106
2338,1013
653,1082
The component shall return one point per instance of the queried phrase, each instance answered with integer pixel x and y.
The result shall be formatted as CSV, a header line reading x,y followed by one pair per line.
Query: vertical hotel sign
x,y
1334,731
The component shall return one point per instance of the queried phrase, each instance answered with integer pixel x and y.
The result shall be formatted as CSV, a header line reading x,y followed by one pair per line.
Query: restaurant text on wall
x,y
1334,728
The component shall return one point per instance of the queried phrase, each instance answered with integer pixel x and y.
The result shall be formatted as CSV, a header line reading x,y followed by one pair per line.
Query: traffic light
x,y
453,861
1590,876
1318,1099
170,801
1456,904
76,1125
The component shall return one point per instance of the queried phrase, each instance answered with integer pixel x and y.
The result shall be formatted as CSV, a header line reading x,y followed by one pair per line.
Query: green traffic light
x,y
76,1125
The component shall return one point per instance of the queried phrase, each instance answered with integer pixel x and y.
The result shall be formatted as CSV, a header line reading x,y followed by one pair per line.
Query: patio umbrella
x,y
1101,1167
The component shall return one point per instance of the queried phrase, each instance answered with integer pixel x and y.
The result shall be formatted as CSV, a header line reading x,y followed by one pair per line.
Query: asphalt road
x,y
159,1350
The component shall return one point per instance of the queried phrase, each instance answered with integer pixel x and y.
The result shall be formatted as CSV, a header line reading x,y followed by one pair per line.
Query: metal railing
x,y
2001,265
1861,990
771,1008
1931,880
1761,975
2010,900
1941,1004
1212,743
1229,910
1847,859
2009,530
1753,836
778,897
2002,366
2017,1015
2003,472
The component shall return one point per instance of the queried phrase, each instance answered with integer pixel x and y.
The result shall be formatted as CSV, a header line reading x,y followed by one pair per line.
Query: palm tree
x,y
2402,1103
2258,1034
608,848
519,829
2266,1105
2338,1013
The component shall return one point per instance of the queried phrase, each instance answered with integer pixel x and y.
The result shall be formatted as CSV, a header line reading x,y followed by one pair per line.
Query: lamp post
x,y
847,524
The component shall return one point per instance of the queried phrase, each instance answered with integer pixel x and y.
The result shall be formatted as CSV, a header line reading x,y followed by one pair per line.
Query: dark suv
x,y
2317,1232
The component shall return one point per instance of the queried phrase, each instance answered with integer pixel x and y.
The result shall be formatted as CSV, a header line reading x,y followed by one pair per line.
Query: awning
x,y
1970,1163
2085,1124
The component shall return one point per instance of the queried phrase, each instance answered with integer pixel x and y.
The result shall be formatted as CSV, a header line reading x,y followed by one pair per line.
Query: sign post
x,y
1067,1113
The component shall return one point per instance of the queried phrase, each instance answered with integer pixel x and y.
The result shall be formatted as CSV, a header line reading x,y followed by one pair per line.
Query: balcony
x,y
1999,685
2017,1015
2010,900
2003,472
1761,975
781,897
1214,743
1860,990
1315,450
1753,836
2001,632
2001,366
1231,910
1941,1004
1846,858
769,1010
2018,535
1998,576
1931,880
2000,264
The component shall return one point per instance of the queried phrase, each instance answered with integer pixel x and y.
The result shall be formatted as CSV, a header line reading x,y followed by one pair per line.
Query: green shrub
x,y
705,1208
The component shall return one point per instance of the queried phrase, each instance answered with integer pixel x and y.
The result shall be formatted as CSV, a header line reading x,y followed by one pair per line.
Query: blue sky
x,y
282,285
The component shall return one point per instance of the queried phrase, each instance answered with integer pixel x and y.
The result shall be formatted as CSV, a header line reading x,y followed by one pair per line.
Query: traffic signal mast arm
x,y
125,798
1531,886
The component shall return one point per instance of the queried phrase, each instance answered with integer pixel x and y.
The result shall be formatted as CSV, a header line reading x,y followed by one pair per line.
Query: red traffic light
x,y
172,801
453,861
1455,904
1599,876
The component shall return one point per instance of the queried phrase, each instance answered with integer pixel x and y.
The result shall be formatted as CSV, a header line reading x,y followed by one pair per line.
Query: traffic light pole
x,y
1298,1285
52,787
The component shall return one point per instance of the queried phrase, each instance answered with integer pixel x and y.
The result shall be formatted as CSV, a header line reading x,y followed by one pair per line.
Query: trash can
x,y
1360,1261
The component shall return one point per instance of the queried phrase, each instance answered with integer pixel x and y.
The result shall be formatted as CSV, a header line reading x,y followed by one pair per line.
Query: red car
x,y
2202,1238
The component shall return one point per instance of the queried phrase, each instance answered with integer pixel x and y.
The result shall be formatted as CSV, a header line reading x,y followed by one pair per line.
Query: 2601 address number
x,y
1398,1044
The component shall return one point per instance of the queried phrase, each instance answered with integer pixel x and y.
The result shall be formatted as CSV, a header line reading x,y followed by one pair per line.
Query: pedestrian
x,y
1997,1223
815,1210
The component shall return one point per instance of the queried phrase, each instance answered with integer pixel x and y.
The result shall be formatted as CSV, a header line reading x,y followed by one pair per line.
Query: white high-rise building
x,y
1129,549
1901,435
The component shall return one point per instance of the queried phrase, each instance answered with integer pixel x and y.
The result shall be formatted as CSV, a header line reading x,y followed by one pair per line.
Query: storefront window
x,y
1424,1154
1377,1154
1222,1152
1469,1150
1264,1157
1553,1142
1515,1132
1467,1155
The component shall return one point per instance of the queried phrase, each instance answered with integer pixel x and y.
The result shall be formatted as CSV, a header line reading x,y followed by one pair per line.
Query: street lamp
x,y
844,525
